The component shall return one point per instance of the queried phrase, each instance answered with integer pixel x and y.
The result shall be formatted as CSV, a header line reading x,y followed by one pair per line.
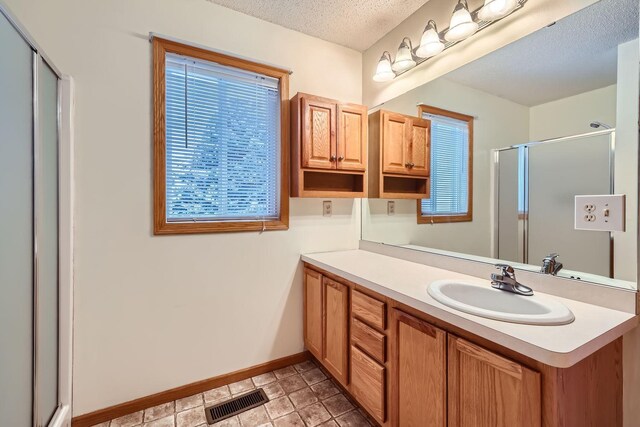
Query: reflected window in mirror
x,y
451,195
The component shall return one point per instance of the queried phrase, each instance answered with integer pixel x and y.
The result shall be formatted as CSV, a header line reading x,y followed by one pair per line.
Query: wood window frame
x,y
435,219
160,225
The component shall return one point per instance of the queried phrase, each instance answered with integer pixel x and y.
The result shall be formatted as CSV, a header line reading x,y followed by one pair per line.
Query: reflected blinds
x,y
449,167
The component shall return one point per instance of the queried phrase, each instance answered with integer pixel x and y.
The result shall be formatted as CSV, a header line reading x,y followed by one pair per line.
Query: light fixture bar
x,y
481,26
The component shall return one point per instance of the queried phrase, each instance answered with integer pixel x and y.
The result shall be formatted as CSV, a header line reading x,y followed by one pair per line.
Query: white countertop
x,y
407,282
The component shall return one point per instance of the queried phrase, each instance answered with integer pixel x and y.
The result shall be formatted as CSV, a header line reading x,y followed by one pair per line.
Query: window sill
x,y
217,227
443,219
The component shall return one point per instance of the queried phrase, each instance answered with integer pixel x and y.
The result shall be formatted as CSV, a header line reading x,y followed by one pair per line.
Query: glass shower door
x,y
16,228
29,236
558,172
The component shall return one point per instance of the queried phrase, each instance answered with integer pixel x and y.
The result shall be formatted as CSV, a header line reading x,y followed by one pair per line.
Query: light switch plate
x,y
326,208
391,207
600,212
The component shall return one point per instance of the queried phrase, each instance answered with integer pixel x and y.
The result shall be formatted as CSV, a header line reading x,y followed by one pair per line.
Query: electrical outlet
x,y
326,208
391,207
600,212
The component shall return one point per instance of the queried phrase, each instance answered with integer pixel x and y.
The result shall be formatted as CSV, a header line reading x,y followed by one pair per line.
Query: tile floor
x,y
299,395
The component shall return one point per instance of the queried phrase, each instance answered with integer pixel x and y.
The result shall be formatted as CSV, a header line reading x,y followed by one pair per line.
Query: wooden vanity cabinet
x,y
313,315
419,373
326,322
329,143
486,389
408,369
400,156
336,327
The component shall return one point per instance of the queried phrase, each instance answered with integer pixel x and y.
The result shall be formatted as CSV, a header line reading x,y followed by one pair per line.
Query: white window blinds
x,y
222,142
449,167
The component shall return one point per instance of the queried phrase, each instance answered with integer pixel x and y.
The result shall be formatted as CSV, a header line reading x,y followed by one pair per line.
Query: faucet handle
x,y
506,269
551,257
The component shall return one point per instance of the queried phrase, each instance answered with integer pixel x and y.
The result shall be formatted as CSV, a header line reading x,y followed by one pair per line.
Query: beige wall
x,y
626,163
572,115
534,16
498,123
152,313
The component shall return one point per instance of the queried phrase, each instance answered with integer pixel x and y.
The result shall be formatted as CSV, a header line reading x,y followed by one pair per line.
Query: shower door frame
x,y
62,415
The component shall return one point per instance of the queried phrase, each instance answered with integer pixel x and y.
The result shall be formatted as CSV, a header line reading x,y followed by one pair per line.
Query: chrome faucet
x,y
506,281
550,265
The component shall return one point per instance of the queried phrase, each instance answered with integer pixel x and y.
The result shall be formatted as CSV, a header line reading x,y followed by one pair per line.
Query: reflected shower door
x,y
558,172
46,196
16,228
511,207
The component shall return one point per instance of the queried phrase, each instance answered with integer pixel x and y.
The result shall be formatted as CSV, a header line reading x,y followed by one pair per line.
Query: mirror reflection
x,y
514,137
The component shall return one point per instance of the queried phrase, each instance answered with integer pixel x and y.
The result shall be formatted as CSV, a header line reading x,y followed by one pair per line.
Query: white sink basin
x,y
485,301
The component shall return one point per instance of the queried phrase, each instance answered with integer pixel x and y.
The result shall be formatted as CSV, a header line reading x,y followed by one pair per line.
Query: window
x,y
221,145
451,168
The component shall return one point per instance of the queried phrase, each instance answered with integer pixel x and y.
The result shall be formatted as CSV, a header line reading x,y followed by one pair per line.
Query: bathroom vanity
x,y
410,360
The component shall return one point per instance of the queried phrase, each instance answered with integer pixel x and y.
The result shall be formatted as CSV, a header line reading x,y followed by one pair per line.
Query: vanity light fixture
x,y
384,73
496,9
404,58
430,43
462,24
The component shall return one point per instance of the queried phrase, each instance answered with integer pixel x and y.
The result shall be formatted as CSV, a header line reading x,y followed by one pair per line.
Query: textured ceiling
x,y
353,23
576,55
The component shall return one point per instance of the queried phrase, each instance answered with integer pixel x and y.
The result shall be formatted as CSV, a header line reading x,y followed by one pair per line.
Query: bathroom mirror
x,y
550,116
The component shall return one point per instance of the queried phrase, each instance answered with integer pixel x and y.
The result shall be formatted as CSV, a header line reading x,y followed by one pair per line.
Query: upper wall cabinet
x,y
329,148
400,156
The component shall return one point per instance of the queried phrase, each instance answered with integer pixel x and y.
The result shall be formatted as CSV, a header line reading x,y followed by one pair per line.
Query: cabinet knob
x,y
332,158
411,165
341,158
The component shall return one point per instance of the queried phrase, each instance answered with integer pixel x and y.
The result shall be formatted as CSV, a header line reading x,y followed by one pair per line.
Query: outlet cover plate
x,y
391,207
605,212
327,208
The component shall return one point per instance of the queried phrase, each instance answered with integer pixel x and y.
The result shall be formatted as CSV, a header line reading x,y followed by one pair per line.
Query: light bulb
x,y
462,25
496,9
384,73
430,43
404,58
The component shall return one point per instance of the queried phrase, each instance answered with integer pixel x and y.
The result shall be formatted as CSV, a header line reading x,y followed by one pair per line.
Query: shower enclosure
x,y
30,243
535,185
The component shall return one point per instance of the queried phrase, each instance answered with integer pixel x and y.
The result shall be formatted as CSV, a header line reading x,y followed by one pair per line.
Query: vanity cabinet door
x,y
487,390
352,137
396,134
418,378
313,312
336,321
319,133
419,153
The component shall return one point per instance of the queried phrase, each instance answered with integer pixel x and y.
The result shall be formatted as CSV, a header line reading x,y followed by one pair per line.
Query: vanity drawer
x,y
368,384
368,309
368,339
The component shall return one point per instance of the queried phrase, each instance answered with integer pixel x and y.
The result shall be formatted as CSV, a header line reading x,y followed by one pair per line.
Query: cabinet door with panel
x,y
418,151
336,332
396,133
352,137
313,312
419,366
318,119
488,390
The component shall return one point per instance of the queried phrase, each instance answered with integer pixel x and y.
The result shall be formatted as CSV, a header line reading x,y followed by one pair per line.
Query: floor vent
x,y
232,407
